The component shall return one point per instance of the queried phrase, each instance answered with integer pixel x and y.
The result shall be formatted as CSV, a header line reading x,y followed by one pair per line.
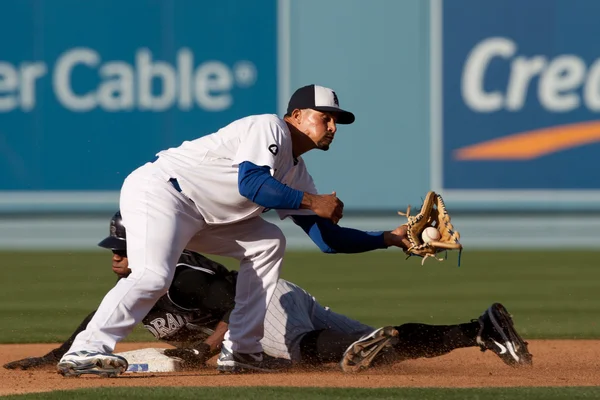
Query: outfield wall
x,y
492,104
500,231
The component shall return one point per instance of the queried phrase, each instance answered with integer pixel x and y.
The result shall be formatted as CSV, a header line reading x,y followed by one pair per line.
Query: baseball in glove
x,y
433,213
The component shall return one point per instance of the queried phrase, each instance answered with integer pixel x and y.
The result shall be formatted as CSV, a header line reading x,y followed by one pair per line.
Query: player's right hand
x,y
193,358
327,206
30,362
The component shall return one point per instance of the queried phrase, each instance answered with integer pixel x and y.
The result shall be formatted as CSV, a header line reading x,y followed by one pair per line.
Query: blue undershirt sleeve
x,y
332,238
256,184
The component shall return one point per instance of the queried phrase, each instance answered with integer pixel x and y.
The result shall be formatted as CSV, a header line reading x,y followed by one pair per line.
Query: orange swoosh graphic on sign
x,y
532,144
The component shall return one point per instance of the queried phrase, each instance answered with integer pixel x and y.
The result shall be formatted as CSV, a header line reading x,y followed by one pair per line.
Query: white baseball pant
x,y
160,223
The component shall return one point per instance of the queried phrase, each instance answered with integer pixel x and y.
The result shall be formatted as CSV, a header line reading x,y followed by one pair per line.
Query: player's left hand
x,y
193,358
397,237
30,362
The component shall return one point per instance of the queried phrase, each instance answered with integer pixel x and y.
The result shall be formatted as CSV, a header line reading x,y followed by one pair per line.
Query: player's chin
x,y
323,146
122,272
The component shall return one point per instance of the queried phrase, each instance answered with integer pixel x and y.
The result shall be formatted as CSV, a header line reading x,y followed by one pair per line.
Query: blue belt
x,y
175,184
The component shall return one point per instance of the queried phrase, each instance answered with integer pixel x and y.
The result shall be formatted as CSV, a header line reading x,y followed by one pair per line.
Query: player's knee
x,y
270,246
277,243
153,283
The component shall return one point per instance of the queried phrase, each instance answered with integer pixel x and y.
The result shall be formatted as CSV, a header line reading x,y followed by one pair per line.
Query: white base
x,y
150,360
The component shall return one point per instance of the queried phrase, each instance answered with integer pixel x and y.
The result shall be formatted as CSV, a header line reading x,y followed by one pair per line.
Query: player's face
x,y
319,126
120,263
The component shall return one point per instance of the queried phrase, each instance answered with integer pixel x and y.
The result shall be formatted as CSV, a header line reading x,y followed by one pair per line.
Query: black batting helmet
x,y
116,240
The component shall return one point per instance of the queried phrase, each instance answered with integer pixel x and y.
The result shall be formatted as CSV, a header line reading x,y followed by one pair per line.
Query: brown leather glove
x,y
433,213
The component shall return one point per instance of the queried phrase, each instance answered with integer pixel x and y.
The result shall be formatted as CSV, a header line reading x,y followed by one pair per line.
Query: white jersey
x,y
207,168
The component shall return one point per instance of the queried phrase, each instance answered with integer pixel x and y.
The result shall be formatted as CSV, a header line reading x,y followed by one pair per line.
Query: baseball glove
x,y
433,213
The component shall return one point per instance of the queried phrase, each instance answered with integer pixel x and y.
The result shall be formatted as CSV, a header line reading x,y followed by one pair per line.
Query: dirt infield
x,y
556,363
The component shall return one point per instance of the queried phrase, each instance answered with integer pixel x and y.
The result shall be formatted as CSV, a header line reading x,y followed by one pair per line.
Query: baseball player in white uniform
x,y
207,195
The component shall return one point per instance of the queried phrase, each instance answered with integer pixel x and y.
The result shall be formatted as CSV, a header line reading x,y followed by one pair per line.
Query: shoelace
x,y
478,339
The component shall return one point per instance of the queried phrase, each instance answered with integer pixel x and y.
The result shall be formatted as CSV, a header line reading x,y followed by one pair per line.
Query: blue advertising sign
x,y
515,99
89,90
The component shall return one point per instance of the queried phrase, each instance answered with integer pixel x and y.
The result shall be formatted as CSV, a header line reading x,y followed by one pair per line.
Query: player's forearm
x,y
308,201
397,237
331,238
256,184
388,238
216,339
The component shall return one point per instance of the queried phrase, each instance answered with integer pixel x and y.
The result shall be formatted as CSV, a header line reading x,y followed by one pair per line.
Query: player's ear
x,y
297,115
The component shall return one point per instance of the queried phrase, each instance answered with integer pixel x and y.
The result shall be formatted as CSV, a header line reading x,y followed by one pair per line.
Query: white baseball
x,y
429,234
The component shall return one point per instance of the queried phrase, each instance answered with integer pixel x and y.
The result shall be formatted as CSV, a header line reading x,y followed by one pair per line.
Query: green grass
x,y
44,296
260,393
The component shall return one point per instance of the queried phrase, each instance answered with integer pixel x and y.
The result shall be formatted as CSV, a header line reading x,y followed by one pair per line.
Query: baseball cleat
x,y
360,354
497,333
231,361
86,362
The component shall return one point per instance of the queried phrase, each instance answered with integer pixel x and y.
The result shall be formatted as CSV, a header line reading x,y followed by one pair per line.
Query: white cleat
x,y
85,362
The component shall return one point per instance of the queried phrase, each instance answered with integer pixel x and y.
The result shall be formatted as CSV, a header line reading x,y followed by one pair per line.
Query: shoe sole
x,y
504,325
236,367
360,354
102,368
